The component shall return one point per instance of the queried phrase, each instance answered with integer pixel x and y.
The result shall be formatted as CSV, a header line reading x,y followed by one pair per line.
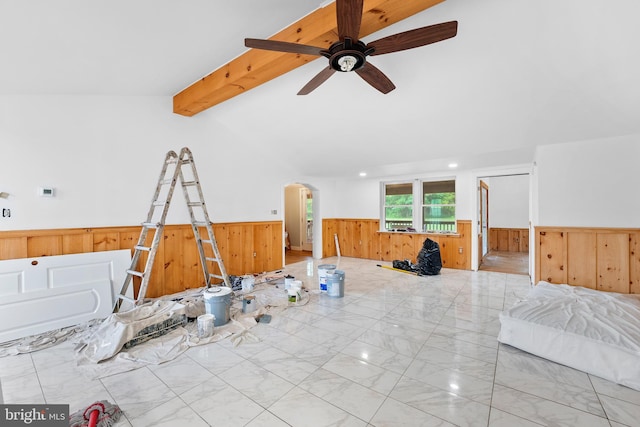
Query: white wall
x,y
589,184
103,155
509,201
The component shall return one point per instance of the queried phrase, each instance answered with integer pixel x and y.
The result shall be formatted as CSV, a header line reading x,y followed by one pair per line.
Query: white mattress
x,y
593,331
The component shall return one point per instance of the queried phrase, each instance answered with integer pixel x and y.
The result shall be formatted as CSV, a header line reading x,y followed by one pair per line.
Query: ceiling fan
x,y
350,54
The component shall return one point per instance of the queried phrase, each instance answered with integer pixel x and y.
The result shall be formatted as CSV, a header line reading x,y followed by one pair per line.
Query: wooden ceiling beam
x,y
256,66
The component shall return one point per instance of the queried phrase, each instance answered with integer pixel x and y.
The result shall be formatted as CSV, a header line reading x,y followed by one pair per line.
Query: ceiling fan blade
x,y
414,38
375,78
349,16
320,78
283,46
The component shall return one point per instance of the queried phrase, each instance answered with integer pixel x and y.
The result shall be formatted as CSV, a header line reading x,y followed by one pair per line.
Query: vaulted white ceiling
x,y
519,73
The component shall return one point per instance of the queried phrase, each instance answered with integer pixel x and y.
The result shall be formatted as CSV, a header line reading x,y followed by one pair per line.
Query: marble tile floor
x,y
397,350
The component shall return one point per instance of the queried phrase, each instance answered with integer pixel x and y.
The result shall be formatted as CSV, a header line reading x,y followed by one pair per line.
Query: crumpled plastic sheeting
x,y
108,338
39,342
163,349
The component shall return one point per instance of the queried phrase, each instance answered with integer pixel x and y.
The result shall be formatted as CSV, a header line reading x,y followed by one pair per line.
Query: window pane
x,y
398,202
439,206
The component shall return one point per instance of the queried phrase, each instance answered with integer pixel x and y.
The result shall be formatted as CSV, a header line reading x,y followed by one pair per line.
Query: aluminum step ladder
x,y
176,168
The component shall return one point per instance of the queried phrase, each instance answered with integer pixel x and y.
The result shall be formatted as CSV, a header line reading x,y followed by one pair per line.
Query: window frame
x,y
418,205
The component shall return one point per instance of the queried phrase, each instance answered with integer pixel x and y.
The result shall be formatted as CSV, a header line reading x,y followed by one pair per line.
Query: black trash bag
x,y
404,265
429,260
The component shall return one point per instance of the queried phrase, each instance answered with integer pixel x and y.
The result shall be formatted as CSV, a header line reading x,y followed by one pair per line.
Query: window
x,y
428,206
398,206
438,206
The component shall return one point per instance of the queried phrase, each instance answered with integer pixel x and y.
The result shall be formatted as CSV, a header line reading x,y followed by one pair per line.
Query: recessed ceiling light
x,y
363,174
453,165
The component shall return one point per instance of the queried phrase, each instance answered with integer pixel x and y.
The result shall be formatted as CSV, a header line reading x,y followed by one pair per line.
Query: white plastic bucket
x,y
205,325
335,284
323,270
217,301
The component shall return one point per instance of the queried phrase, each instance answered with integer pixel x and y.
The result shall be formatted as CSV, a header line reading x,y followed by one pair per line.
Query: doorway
x,y
503,223
298,223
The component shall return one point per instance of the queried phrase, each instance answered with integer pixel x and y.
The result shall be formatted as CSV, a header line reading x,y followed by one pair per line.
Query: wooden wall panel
x,y
13,247
514,241
177,263
503,240
362,239
38,246
581,250
493,239
634,263
524,240
613,262
77,243
551,249
606,259
509,239
106,241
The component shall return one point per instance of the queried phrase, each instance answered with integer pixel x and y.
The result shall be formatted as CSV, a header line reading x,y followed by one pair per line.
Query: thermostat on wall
x,y
46,191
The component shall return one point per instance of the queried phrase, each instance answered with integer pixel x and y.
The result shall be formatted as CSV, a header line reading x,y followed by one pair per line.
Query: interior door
x,y
484,219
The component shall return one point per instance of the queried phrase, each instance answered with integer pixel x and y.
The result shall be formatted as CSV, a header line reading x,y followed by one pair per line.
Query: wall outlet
x,y
6,213
274,212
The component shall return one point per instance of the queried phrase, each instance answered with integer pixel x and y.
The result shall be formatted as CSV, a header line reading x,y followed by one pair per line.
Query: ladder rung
x,y
151,224
195,204
185,161
217,276
201,224
206,241
142,248
166,181
189,183
135,273
126,298
172,161
160,203
213,259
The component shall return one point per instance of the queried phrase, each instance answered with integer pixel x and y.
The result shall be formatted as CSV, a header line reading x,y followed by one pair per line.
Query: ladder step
x,y
217,276
201,224
142,248
126,298
195,204
189,183
207,241
166,181
151,224
159,203
135,273
213,259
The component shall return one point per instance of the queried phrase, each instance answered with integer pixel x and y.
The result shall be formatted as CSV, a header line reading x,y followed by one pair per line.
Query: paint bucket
x,y
248,303
217,301
323,270
335,284
205,325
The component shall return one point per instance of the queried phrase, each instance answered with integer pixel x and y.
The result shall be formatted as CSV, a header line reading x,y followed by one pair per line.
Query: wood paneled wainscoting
x,y
247,247
606,259
509,239
362,238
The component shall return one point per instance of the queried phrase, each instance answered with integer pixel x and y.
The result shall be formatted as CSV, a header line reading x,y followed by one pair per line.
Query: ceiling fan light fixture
x,y
347,62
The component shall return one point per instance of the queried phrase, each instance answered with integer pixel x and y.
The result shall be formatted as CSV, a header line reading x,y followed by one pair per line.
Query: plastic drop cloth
x,y
99,351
